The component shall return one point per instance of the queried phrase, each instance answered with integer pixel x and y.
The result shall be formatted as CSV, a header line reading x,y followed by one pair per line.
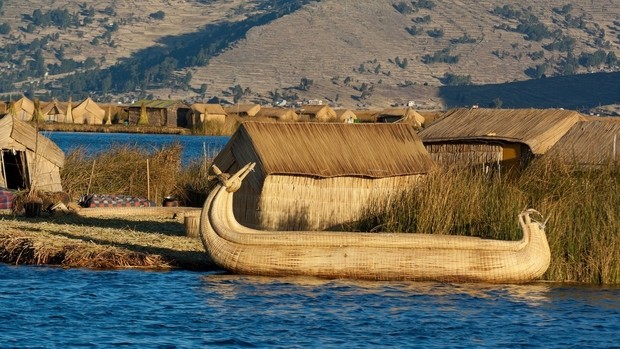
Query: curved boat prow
x,y
394,256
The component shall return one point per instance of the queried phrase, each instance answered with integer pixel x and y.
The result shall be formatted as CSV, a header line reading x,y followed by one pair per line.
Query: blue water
x,y
193,146
44,307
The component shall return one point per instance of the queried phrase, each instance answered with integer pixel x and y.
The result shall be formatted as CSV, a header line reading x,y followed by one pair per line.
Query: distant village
x,y
177,114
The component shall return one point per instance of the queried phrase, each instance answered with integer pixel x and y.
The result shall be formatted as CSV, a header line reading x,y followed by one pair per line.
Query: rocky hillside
x,y
351,53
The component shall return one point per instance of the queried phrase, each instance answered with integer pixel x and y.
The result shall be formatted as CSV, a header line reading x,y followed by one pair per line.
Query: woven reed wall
x,y
306,203
44,175
446,155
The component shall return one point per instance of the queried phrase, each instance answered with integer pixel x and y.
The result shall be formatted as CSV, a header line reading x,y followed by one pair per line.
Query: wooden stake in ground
x,y
90,180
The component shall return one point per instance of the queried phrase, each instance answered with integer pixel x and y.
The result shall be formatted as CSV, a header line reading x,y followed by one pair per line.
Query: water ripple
x,y
52,307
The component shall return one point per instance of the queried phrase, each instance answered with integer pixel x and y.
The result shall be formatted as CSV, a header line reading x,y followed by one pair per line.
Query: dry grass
x,y
103,243
582,207
123,170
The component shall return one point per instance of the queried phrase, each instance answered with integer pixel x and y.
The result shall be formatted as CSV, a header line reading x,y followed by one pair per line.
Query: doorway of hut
x,y
14,169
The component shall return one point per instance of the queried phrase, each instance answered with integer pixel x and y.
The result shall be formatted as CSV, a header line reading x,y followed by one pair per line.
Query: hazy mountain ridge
x,y
352,53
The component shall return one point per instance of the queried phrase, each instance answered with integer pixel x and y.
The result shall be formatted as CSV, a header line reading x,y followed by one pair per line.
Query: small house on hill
x,y
408,115
316,176
242,110
278,114
589,143
316,112
88,112
28,158
206,112
495,137
169,113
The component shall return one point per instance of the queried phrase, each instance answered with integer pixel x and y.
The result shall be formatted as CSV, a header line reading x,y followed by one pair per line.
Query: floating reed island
x,y
101,241
579,198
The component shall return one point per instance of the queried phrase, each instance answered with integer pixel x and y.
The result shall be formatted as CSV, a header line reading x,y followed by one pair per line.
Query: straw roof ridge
x,y
336,149
26,135
539,129
208,108
159,103
589,142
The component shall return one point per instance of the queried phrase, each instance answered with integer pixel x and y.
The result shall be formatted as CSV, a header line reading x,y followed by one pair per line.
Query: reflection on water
x,y
50,307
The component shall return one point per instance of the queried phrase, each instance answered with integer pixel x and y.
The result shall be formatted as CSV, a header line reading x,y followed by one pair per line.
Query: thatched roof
x,y
159,104
317,111
344,114
17,134
404,114
53,107
282,114
24,108
243,109
590,142
86,108
208,108
539,129
333,149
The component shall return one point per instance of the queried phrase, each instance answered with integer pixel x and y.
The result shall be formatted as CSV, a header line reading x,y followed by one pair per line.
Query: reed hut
x,y
206,112
243,110
408,115
278,114
169,113
54,111
316,176
88,112
346,115
365,115
496,138
594,142
28,159
23,109
316,112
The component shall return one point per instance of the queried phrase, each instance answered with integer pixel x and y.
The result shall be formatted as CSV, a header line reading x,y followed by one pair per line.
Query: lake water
x,y
44,307
193,146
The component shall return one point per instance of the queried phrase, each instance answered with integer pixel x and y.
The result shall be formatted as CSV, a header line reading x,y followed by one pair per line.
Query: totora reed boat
x,y
371,256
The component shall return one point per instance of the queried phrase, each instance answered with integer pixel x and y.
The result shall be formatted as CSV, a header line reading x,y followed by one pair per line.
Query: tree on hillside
x,y
305,83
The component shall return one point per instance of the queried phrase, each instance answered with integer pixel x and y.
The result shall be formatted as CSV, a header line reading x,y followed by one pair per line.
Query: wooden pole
x,y
90,180
148,181
4,179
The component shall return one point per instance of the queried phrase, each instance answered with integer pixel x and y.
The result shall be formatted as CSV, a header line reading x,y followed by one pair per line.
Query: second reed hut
x,y
88,112
506,138
594,142
27,158
204,113
316,176
408,115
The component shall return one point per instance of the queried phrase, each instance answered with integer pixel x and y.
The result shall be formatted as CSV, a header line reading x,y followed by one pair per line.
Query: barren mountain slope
x,y
353,53
330,40
136,29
